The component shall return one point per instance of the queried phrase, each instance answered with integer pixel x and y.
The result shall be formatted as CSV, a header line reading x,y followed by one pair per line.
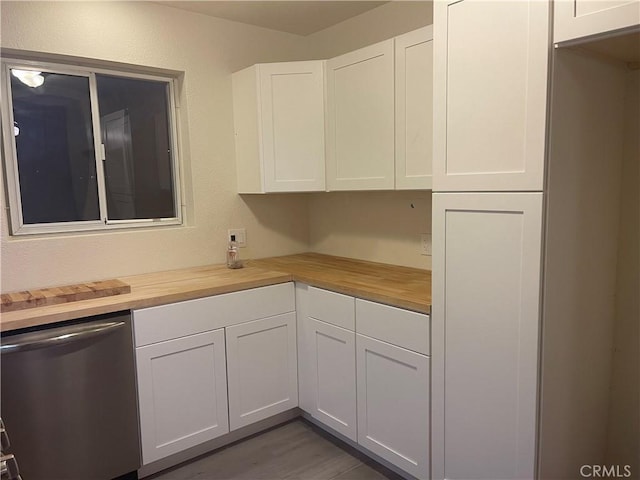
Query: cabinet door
x,y
393,404
360,119
414,109
333,376
485,329
292,112
262,369
182,391
575,19
490,94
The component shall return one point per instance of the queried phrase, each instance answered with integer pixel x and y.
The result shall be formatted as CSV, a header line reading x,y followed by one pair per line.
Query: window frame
x,y
12,179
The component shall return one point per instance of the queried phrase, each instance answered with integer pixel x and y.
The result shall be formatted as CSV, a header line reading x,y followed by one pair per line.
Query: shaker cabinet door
x,y
393,404
182,390
332,351
262,368
360,119
278,113
485,334
414,109
490,94
292,101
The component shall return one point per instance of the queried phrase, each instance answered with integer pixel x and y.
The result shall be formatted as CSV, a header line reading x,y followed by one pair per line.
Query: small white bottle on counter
x,y
233,256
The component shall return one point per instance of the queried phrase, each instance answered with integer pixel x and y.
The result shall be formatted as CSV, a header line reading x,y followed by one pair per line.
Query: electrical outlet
x,y
240,234
425,244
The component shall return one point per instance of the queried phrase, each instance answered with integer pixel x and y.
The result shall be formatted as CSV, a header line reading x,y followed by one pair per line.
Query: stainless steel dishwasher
x,y
69,399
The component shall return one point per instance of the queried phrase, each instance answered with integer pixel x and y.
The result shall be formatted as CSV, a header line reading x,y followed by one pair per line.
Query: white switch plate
x,y
241,236
425,244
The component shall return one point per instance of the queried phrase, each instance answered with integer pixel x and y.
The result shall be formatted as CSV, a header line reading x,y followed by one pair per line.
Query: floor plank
x,y
294,451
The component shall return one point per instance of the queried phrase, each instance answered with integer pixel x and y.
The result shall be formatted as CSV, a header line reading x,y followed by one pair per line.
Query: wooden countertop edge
x,y
85,308
154,289
394,301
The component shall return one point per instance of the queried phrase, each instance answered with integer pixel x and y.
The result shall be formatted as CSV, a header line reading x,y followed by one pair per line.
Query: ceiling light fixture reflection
x,y
29,77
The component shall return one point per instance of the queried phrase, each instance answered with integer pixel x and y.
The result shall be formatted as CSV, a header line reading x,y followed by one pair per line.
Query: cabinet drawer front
x,y
333,308
399,327
164,322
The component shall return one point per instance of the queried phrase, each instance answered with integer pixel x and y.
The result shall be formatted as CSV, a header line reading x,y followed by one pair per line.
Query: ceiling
x,y
298,17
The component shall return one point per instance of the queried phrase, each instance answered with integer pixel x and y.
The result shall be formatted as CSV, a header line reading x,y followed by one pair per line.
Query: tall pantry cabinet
x,y
490,97
535,239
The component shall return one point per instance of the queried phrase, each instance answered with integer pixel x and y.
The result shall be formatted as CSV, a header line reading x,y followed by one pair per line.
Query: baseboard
x,y
358,448
260,427
223,441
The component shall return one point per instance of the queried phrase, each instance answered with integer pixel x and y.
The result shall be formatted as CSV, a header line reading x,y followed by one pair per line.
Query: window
x,y
88,149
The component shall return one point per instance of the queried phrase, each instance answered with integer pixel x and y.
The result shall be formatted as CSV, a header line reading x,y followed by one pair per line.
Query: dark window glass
x,y
135,132
55,149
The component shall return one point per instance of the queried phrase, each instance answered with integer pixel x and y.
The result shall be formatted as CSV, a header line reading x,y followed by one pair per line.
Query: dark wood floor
x,y
296,450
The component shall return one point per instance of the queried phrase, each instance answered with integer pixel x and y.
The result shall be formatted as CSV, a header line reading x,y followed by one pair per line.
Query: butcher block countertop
x,y
402,287
398,286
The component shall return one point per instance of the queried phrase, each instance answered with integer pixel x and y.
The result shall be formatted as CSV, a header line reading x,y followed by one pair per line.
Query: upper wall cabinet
x,y
490,94
279,127
414,109
575,19
360,119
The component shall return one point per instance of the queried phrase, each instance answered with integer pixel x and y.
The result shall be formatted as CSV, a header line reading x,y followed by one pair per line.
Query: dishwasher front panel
x,y
69,399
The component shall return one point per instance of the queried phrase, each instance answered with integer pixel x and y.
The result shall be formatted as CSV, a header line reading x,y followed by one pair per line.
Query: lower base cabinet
x,y
369,375
393,404
214,364
262,366
332,370
182,390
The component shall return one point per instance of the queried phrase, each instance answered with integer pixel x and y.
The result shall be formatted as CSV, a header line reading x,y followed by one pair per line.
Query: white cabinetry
x,y
393,374
393,404
576,19
333,371
279,127
378,122
490,94
182,389
414,109
330,347
369,375
262,369
360,119
182,366
485,331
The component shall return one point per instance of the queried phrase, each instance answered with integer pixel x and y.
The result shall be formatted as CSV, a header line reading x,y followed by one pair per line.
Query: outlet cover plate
x,y
425,244
241,236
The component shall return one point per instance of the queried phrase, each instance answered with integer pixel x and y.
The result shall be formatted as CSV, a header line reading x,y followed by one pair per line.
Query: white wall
x,y
584,178
623,443
207,50
376,226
